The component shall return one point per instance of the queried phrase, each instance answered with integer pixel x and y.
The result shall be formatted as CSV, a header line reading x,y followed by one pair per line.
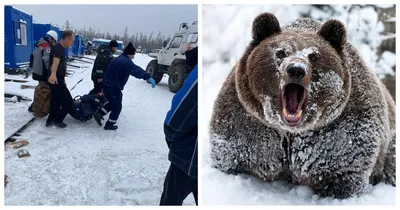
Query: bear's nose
x,y
296,71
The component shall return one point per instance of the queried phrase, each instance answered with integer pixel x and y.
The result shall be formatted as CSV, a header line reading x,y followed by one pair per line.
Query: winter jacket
x,y
103,58
180,126
40,63
119,69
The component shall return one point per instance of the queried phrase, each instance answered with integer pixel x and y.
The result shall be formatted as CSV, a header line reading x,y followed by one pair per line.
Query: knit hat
x,y
113,43
130,50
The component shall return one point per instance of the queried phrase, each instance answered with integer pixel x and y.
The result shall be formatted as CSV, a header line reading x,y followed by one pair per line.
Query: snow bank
x,y
247,190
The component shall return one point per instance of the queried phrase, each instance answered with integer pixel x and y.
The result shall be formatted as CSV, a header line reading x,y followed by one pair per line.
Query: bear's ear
x,y
334,32
264,26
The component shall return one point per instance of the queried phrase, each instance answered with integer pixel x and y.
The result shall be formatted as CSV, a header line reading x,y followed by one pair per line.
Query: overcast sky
x,y
114,18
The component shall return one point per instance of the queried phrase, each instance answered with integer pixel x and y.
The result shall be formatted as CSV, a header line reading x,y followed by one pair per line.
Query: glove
x,y
153,83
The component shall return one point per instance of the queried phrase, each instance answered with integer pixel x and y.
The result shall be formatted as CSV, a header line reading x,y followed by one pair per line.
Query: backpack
x,y
41,100
104,56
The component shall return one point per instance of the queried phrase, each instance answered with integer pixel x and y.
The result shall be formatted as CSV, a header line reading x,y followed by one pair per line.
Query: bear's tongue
x,y
292,98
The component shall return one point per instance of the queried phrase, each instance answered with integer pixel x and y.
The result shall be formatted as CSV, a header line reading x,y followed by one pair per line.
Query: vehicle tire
x,y
176,78
154,71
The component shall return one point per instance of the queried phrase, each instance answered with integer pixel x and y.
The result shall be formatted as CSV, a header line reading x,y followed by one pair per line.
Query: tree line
x,y
149,41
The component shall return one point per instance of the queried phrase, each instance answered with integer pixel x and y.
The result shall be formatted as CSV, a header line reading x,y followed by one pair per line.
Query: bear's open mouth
x,y
293,98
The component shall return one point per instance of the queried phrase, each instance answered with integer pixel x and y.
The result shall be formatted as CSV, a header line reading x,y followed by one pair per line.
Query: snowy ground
x,y
225,38
85,165
16,114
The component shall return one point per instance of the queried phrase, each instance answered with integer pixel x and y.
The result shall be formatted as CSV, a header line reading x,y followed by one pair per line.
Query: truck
x,y
99,41
171,59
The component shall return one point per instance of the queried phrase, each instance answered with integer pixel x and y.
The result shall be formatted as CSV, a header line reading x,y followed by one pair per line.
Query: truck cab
x,y
171,58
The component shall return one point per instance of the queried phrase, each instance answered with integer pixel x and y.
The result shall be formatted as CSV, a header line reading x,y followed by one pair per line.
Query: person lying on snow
x,y
114,80
85,106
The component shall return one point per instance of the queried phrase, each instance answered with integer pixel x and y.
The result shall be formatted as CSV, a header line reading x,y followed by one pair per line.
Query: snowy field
x,y
225,38
16,114
85,165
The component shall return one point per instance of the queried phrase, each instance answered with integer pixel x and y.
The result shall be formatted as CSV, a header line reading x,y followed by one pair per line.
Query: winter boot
x,y
110,126
60,125
49,123
98,117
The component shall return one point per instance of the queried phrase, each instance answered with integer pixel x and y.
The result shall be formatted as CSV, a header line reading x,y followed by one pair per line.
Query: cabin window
x,y
20,33
191,38
194,38
24,40
176,42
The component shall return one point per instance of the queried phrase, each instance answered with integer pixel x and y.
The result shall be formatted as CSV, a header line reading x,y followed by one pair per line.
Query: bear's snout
x,y
296,71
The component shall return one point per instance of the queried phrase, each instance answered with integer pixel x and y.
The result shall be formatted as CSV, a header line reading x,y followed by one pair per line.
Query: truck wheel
x,y
154,71
176,77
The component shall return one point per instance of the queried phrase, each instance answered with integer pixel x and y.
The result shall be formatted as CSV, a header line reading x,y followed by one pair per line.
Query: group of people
x,y
109,76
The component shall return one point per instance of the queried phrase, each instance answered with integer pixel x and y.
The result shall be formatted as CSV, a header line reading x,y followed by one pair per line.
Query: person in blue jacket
x,y
180,128
115,78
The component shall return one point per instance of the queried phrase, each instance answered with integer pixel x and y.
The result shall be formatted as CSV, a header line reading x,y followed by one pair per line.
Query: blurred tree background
x,y
383,46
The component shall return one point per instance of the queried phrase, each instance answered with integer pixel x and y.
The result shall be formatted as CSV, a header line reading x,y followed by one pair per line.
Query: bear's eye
x,y
313,56
280,54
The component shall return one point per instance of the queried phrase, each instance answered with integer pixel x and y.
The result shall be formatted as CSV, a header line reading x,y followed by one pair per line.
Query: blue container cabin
x,y
76,48
120,45
40,30
18,38
82,49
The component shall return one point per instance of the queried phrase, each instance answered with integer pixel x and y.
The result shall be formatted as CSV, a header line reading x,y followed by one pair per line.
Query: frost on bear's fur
x,y
345,135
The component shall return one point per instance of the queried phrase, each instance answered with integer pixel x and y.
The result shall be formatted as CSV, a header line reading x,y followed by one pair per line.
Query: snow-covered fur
x,y
346,138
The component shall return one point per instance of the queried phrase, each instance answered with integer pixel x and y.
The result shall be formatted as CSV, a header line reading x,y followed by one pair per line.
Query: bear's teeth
x,y
298,115
285,112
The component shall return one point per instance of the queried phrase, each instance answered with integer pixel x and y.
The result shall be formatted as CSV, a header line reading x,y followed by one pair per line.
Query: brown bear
x,y
301,105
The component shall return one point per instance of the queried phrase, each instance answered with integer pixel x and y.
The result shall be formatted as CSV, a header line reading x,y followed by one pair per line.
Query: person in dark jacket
x,y
115,78
103,58
180,128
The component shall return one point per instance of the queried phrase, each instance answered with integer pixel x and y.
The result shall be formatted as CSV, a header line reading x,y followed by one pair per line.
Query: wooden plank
x,y
23,86
15,80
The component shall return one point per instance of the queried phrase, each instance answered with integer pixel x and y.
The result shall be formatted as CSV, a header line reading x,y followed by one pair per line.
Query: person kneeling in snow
x,y
180,128
115,78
